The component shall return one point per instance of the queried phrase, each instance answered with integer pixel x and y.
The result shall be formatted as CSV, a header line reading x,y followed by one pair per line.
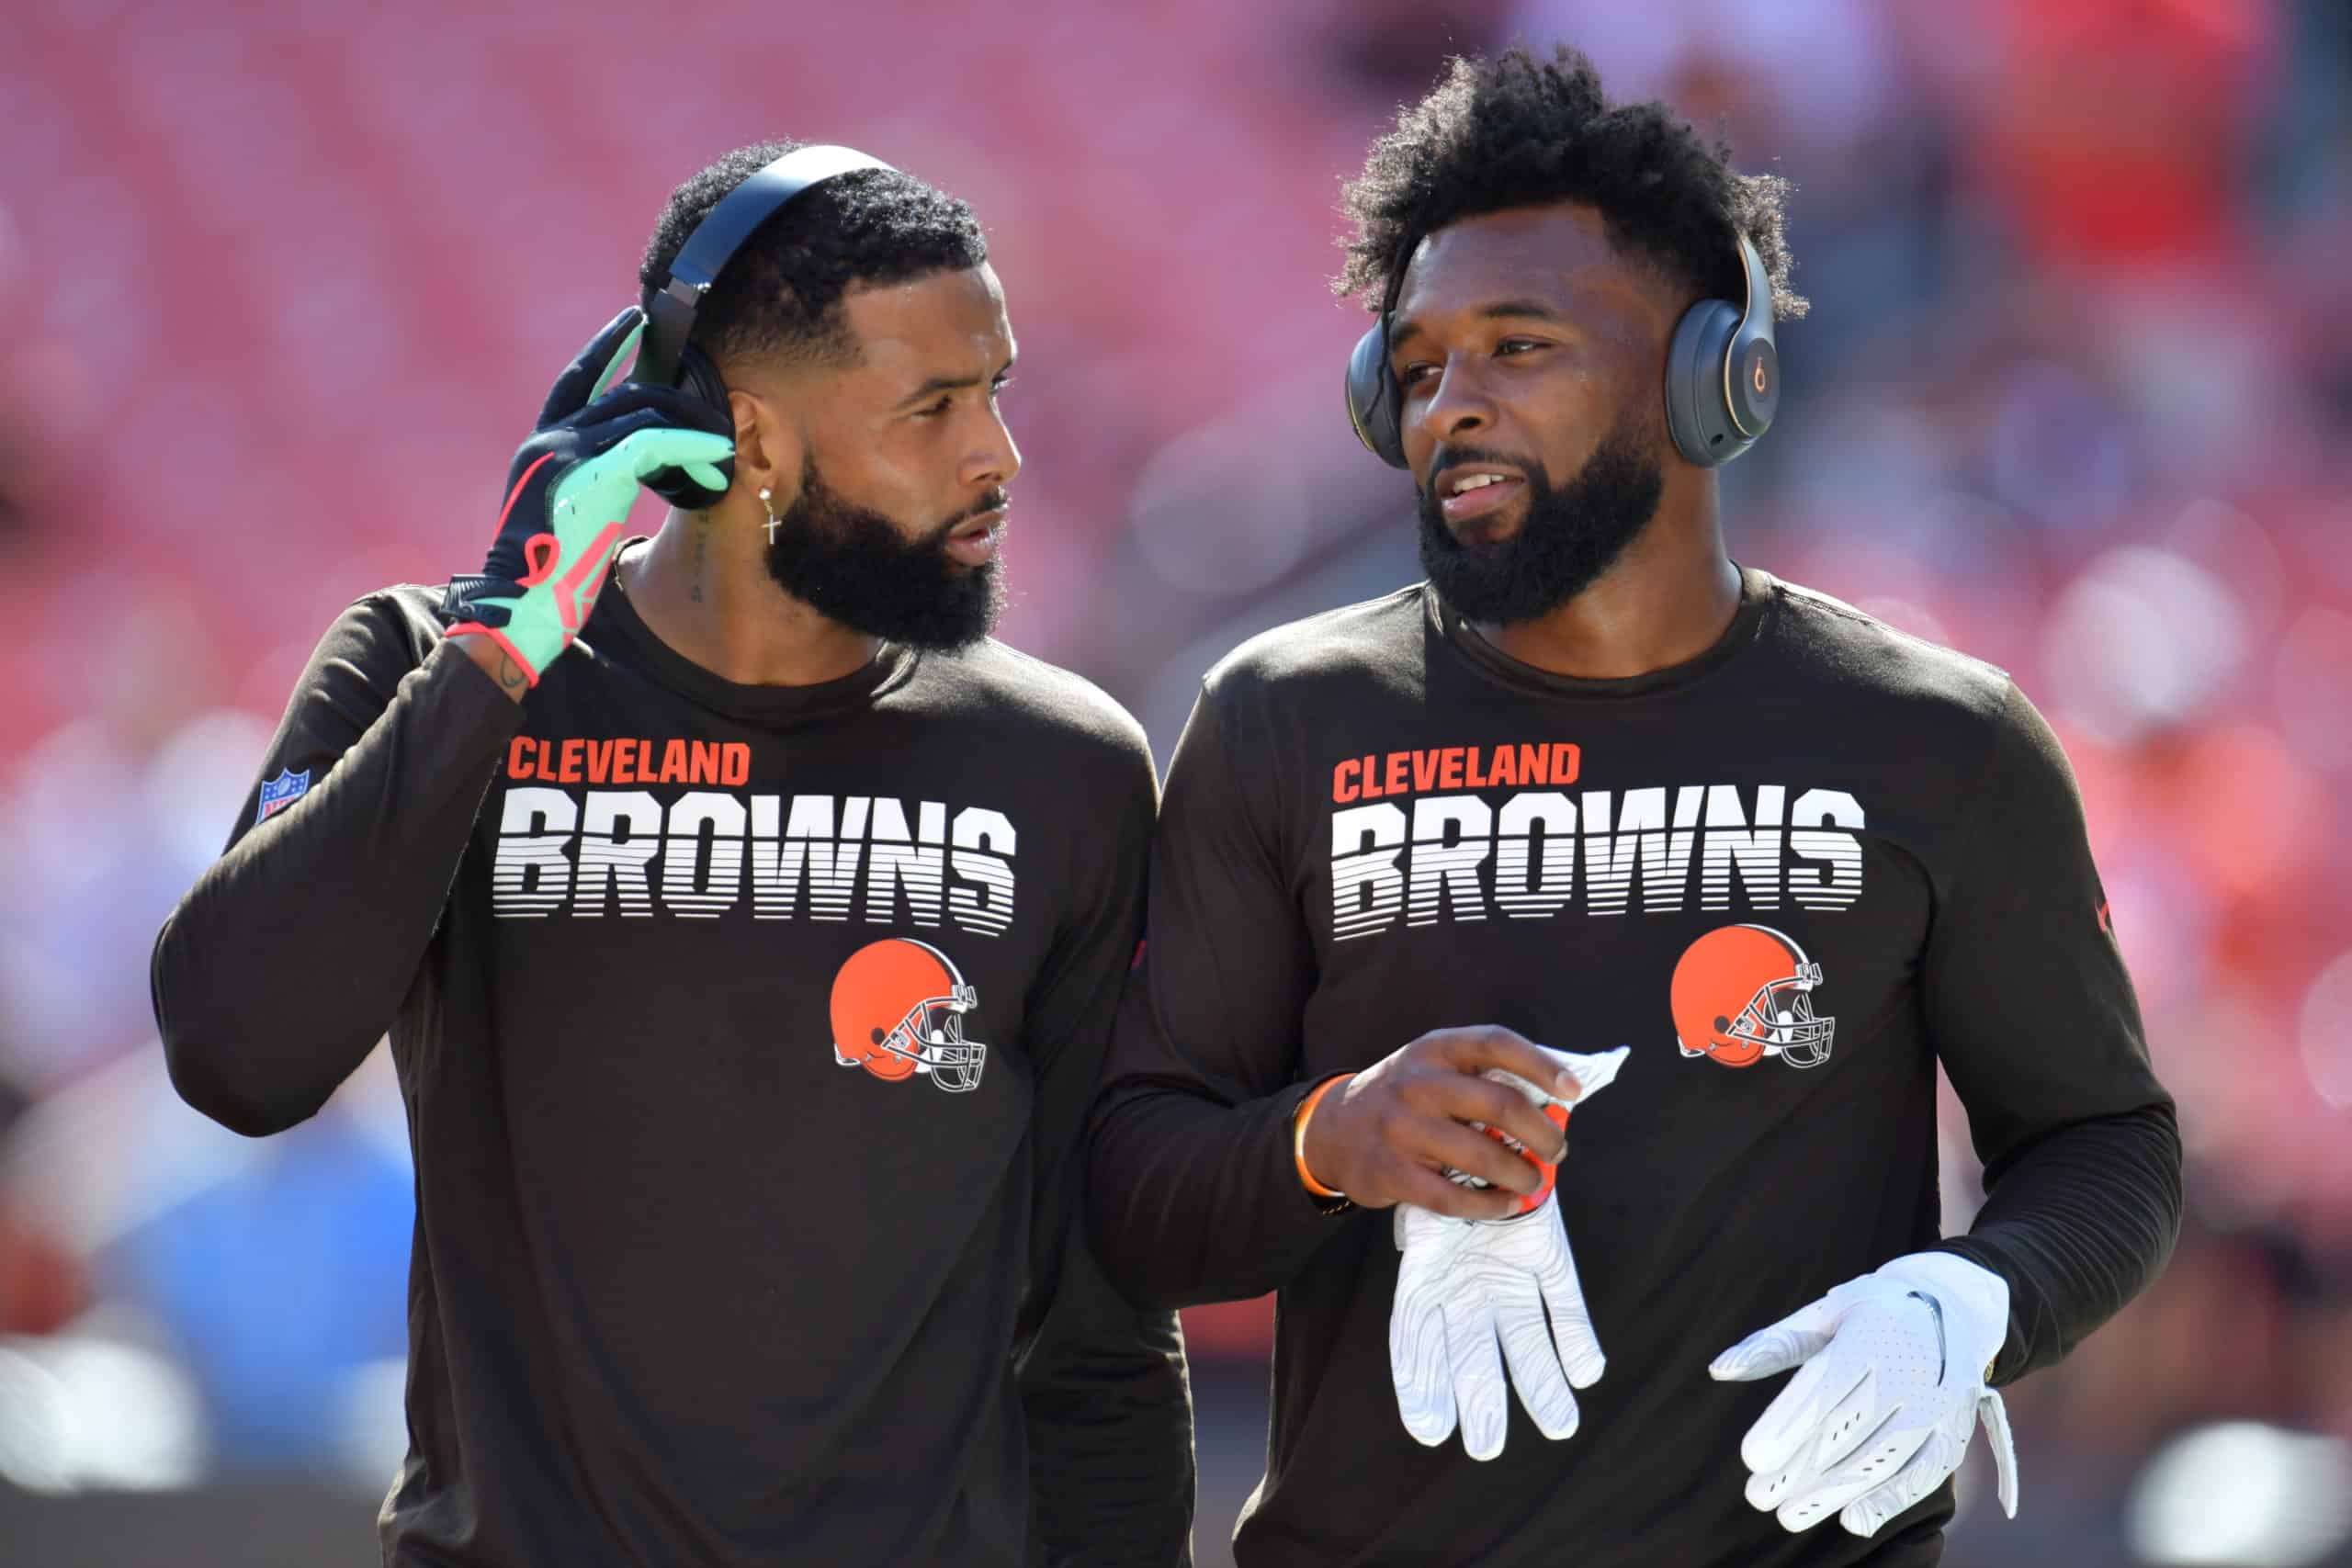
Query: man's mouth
x,y
1475,490
974,541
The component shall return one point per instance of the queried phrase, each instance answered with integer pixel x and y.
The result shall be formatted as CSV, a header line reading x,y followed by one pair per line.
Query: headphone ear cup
x,y
1371,398
699,379
1697,416
1756,386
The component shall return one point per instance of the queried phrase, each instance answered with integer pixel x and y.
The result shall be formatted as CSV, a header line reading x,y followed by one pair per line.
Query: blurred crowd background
x,y
282,282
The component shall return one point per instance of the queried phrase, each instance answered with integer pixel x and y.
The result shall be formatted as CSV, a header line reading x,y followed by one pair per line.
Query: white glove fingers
x,y
1535,1365
1572,1339
1768,1489
1792,1423
1918,1475
1852,1421
1876,1422
1808,1509
1593,1072
1793,1340
1828,1493
1417,1365
1886,1452
1480,1400
1996,1416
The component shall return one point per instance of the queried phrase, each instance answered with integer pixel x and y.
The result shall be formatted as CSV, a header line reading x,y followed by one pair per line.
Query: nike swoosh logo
x,y
1937,1307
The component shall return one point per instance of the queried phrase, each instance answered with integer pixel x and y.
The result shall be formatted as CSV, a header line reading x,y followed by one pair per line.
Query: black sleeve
x,y
1103,1386
1194,1190
2034,1019
285,963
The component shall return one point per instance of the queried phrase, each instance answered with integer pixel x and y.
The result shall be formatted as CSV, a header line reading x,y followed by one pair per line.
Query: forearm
x,y
1109,1417
1194,1200
2078,1223
288,958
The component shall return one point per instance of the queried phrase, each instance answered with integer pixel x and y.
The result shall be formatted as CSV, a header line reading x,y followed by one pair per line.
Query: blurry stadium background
x,y
282,282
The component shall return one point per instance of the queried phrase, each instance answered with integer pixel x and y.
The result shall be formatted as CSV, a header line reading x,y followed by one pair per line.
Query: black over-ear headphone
x,y
1722,377
664,356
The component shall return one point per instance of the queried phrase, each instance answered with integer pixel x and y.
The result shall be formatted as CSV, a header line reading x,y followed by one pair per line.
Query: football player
x,y
746,989
1427,865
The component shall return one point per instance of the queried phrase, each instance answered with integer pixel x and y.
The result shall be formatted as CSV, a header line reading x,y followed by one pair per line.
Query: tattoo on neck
x,y
702,542
510,675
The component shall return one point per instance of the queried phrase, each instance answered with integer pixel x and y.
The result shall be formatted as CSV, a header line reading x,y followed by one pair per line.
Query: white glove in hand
x,y
1889,1387
1464,1285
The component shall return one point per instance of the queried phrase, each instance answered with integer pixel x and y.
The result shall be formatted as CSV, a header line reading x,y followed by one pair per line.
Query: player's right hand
x,y
1389,1134
568,491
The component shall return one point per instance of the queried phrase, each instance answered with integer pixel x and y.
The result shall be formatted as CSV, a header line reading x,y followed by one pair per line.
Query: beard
x,y
852,565
1571,536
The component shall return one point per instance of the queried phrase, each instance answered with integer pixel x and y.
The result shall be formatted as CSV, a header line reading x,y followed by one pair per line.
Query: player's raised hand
x,y
568,492
1390,1133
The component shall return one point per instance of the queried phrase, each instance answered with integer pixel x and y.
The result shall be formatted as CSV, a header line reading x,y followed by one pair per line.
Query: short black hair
x,y
781,291
1519,131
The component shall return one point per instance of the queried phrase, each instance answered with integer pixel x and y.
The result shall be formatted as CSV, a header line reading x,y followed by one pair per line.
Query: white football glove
x,y
1890,1387
1464,1284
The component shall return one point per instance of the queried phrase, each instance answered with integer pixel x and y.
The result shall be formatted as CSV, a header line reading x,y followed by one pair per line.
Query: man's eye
x,y
1413,374
945,402
1517,344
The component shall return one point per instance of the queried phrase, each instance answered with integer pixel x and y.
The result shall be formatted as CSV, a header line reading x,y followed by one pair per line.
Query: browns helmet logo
x,y
899,1009
1743,993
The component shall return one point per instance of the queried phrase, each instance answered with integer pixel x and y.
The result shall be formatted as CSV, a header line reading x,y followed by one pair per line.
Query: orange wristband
x,y
1298,1136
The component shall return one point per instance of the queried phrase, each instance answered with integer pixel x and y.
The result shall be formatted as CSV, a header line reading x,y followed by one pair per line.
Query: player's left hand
x,y
1889,1387
1463,1287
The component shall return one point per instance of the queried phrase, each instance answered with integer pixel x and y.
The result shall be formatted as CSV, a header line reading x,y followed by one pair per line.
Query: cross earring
x,y
773,519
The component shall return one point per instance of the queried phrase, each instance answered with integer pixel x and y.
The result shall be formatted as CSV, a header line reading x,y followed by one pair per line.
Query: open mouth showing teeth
x,y
1474,481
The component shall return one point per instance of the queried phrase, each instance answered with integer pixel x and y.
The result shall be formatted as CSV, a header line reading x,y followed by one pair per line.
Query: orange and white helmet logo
x,y
898,1010
1743,993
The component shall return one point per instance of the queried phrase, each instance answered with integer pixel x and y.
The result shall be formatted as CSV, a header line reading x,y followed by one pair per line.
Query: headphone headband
x,y
669,308
1745,407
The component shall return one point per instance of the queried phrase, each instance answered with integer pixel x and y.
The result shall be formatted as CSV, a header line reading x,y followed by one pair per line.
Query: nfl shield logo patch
x,y
281,792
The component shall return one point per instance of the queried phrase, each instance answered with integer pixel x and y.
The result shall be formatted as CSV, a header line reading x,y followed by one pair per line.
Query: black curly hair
x,y
781,292
1519,131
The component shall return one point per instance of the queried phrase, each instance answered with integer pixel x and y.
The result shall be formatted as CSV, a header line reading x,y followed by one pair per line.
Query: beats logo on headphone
x,y
1722,377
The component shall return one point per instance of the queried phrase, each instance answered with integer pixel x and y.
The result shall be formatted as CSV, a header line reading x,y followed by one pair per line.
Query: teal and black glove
x,y
568,493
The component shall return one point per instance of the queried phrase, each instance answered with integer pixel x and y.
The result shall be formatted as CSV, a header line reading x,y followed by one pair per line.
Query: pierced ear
x,y
766,449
